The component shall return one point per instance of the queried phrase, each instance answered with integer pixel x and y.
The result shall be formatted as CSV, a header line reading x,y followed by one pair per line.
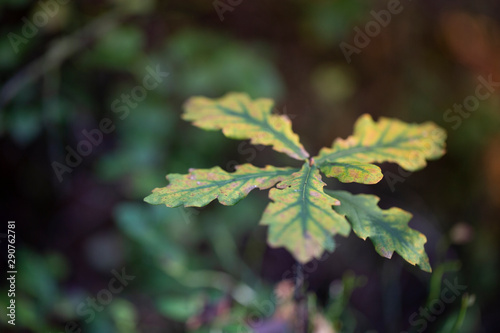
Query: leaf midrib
x,y
265,126
244,177
360,148
305,203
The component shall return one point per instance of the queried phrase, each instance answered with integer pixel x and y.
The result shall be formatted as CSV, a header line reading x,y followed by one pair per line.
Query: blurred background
x,y
91,256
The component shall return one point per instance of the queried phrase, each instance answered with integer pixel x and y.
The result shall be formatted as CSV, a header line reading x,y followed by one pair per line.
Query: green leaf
x,y
201,186
241,118
387,229
388,140
301,217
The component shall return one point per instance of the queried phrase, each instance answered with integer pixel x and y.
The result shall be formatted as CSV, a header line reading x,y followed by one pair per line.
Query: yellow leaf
x,y
388,140
239,117
364,173
201,186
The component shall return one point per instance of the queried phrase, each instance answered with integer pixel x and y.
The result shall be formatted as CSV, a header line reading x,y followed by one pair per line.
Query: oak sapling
x,y
302,216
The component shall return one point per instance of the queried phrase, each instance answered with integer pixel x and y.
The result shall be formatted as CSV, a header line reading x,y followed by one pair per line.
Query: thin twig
x,y
59,51
300,300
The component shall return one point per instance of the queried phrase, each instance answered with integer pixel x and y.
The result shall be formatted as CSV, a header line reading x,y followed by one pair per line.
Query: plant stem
x,y
300,300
